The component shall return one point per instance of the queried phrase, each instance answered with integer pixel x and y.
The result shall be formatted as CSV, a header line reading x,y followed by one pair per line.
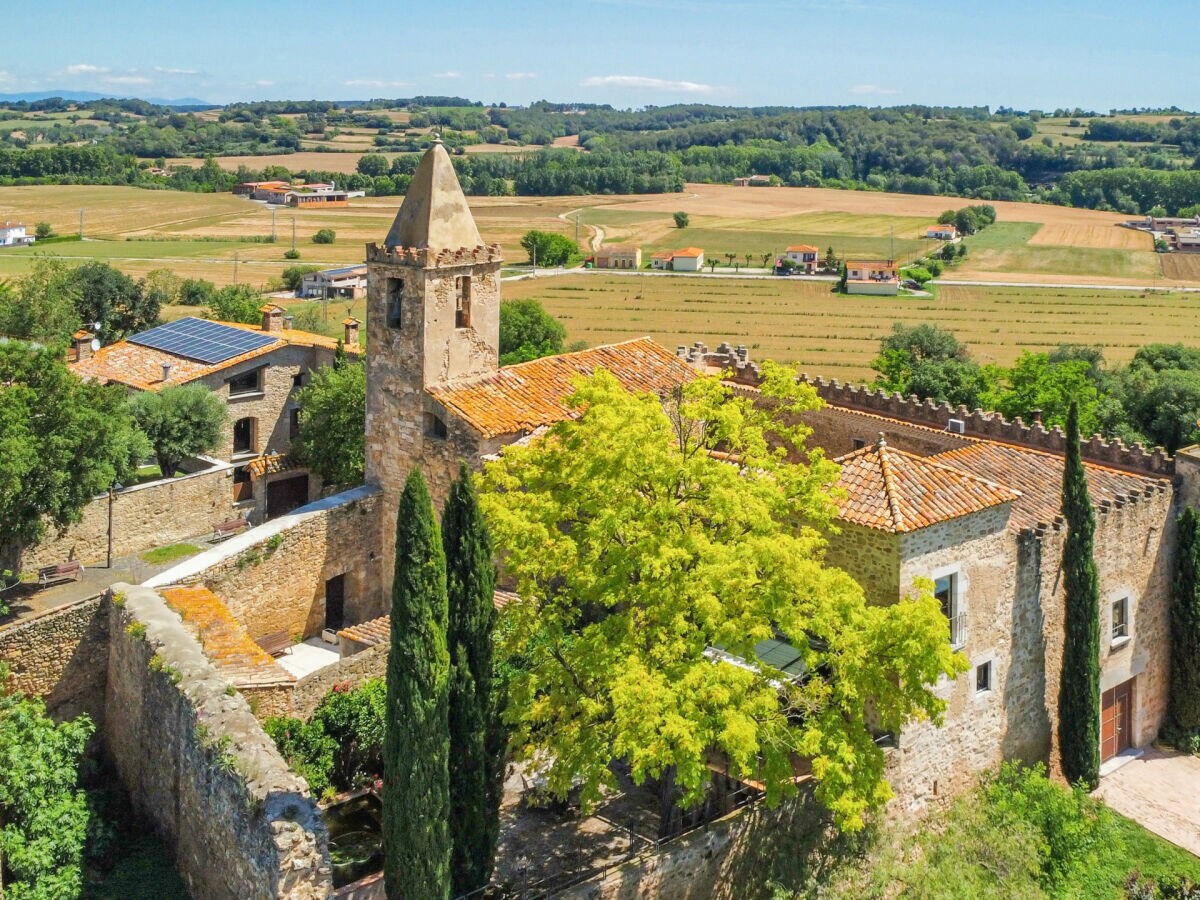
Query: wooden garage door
x,y
285,495
1116,720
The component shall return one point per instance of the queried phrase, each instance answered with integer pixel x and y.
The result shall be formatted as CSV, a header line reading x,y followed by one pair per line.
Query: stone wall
x,y
198,766
273,577
353,670
62,657
869,556
144,516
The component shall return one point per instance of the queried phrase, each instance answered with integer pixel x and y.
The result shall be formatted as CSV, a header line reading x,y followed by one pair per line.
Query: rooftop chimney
x,y
288,322
81,343
166,367
351,325
272,318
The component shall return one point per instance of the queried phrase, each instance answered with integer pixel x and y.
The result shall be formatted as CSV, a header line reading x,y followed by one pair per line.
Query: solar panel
x,y
781,656
202,340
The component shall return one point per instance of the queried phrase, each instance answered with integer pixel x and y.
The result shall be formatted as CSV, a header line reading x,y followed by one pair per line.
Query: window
x,y
945,589
298,379
246,383
983,677
395,302
293,422
462,301
858,443
435,426
242,488
243,435
1120,620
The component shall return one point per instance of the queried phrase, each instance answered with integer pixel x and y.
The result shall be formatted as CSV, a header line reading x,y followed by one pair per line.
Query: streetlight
x,y
112,489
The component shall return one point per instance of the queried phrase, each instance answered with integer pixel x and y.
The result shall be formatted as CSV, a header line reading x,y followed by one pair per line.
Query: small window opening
x,y
246,383
946,591
858,443
983,677
395,302
243,435
435,426
462,301
1120,619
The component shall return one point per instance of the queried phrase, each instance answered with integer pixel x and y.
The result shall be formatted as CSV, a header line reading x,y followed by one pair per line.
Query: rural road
x,y
1045,284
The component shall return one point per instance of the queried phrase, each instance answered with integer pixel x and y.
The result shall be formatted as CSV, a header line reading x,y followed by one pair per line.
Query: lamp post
x,y
112,489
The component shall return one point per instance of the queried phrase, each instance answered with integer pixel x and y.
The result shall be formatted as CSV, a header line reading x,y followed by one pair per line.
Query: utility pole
x,y
273,211
576,229
81,224
293,232
235,267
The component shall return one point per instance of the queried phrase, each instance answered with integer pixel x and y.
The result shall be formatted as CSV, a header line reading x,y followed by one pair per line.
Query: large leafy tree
x,y
44,814
528,332
930,362
1037,382
110,297
549,249
181,420
653,549
477,736
1183,699
63,442
416,783
1079,688
41,306
236,303
332,440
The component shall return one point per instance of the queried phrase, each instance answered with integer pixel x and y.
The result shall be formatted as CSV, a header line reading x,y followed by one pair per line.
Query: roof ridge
x,y
933,462
889,483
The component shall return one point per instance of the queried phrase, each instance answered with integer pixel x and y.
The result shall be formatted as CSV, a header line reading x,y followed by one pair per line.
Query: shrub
x,y
324,236
291,254
43,231
681,220
917,273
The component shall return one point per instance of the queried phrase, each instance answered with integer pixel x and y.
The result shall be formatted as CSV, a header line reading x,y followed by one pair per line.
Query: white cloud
x,y
6,77
520,76
368,82
641,82
263,82
84,69
126,79
873,89
447,75
164,70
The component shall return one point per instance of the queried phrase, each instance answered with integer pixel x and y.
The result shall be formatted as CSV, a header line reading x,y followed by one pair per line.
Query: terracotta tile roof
x,y
269,465
689,252
803,248
141,367
663,254
952,228
379,631
526,396
894,491
1038,476
225,640
869,264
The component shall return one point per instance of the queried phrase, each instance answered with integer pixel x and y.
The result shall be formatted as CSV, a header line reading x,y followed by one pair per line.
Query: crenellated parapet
x,y
428,258
726,358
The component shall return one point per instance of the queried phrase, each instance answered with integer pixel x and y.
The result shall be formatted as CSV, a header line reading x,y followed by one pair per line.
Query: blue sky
x,y
1099,54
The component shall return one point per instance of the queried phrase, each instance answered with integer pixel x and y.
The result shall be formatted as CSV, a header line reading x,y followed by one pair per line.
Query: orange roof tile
x,y
803,248
379,631
269,465
1038,476
870,264
894,491
663,254
689,252
351,321
270,308
520,398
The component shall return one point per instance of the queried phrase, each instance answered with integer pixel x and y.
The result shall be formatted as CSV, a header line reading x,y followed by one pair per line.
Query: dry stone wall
x,y
144,516
352,670
198,766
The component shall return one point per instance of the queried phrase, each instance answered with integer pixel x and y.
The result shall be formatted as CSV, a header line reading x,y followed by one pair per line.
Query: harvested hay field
x,y
1105,237
837,336
1181,266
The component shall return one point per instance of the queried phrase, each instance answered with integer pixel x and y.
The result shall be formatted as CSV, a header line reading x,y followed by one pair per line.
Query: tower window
x,y
243,435
395,302
435,426
462,301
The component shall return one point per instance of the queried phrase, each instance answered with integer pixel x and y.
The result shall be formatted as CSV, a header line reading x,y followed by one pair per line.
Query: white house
x,y
348,282
689,259
12,234
804,256
942,232
872,277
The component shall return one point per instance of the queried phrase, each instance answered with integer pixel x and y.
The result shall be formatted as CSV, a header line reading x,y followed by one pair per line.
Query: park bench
x,y
228,528
61,572
276,643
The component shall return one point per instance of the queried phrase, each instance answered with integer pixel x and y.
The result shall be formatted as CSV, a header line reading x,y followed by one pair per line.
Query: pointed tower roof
x,y
434,214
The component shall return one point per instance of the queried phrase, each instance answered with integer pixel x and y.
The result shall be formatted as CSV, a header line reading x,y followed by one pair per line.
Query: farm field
x,y
836,336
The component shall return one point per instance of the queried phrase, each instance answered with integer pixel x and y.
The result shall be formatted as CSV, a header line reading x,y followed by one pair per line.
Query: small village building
x,y
803,256
872,277
942,232
689,259
12,234
619,257
347,282
752,181
661,259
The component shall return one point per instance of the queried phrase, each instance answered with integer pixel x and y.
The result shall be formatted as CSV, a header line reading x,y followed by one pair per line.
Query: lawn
x,y
1005,248
169,553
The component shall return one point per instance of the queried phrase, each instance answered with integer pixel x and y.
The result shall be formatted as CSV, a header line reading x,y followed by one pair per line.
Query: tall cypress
x,y
416,781
1183,700
1079,688
476,734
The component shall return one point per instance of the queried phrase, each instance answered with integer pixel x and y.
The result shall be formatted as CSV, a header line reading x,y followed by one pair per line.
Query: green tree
x,y
331,439
477,735
373,164
196,292
294,275
549,249
528,332
324,236
682,220
181,420
110,297
163,287
643,561
63,441
1079,688
1035,382
43,230
416,781
41,306
1183,698
236,303
930,362
831,261
44,815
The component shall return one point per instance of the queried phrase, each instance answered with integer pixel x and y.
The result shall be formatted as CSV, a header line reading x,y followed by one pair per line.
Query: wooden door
x,y
285,495
1116,720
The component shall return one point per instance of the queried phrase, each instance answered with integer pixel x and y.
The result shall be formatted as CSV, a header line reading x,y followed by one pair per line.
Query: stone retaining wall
x,y
353,670
62,657
199,767
144,516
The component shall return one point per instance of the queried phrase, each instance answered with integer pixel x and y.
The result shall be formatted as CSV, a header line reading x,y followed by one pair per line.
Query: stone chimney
x,y
166,370
351,325
272,318
81,343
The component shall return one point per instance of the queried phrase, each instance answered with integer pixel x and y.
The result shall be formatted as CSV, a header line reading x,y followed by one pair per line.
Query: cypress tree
x,y
1183,701
476,734
1079,688
415,770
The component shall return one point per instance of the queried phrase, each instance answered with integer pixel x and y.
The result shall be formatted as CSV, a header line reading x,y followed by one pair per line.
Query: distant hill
x,y
83,96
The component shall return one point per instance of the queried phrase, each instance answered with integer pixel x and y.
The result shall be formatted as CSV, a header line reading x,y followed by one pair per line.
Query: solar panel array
x,y
202,340
781,655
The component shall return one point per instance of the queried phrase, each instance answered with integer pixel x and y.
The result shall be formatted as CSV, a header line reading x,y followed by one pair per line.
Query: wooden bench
x,y
229,528
276,643
72,570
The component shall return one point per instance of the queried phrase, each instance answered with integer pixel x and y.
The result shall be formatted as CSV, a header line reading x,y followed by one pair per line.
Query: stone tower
x,y
433,316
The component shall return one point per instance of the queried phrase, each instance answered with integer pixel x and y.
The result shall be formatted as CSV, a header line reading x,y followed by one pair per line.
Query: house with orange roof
x,y
618,256
689,259
255,369
803,256
661,259
942,232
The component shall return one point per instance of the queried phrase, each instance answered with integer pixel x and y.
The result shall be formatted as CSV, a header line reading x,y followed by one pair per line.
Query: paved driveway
x,y
1160,791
